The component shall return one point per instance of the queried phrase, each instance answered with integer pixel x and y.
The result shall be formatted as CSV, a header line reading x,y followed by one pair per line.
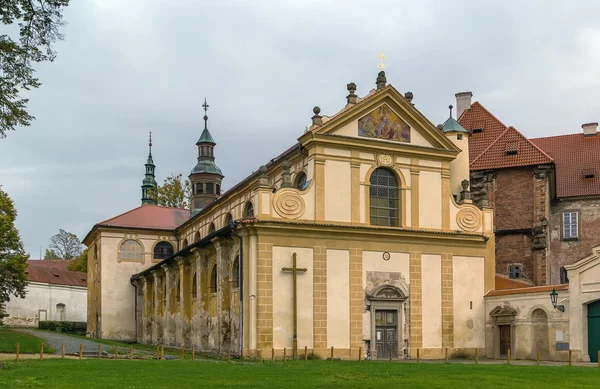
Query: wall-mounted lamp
x,y
554,299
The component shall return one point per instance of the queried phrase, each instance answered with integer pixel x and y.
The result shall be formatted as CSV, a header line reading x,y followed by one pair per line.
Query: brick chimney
x,y
463,102
589,129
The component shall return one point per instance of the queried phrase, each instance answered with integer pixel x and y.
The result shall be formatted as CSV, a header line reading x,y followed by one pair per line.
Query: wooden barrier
x,y
42,351
331,353
273,354
193,352
183,353
418,356
99,351
157,352
162,351
477,356
570,357
305,353
284,355
390,354
508,357
360,353
446,355
130,352
80,351
18,351
538,357
62,351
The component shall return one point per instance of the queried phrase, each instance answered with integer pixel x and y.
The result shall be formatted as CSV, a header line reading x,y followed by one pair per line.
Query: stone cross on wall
x,y
294,270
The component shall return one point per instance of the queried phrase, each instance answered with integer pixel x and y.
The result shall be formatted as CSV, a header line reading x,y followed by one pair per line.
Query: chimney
x,y
589,129
463,102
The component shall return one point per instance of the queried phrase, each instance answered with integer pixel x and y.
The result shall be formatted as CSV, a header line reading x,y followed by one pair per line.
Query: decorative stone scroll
x,y
288,203
469,219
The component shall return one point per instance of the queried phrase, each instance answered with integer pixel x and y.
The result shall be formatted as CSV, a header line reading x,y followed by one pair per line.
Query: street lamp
x,y
554,299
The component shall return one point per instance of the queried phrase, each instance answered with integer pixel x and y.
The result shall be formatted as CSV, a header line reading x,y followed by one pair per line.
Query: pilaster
x,y
356,298
320,297
447,302
416,304
156,311
415,171
265,296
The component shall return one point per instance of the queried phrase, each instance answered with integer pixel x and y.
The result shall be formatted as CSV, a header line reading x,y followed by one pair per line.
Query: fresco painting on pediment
x,y
383,123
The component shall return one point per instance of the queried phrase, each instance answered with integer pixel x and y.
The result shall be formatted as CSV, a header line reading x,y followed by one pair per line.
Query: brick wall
x,y
514,249
514,199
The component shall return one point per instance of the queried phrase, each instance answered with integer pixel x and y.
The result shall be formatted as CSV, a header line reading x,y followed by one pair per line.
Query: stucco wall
x,y
338,302
469,309
45,297
431,266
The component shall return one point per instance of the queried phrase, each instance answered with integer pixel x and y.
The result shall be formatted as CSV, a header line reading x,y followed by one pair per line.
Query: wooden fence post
x,y
390,354
284,355
42,351
193,352
80,350
418,356
18,351
228,356
360,353
99,351
570,358
162,351
538,356
273,354
508,357
183,353
331,353
446,355
305,353
130,352
598,358
62,351
477,356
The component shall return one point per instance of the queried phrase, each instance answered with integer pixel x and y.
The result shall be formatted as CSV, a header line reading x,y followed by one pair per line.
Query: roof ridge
x,y
488,112
558,136
531,143
122,214
487,148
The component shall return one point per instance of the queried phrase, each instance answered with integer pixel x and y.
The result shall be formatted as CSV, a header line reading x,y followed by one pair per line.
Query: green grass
x,y
28,344
91,374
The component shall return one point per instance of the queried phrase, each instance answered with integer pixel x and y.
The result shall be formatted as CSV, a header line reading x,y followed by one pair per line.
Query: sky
x,y
129,67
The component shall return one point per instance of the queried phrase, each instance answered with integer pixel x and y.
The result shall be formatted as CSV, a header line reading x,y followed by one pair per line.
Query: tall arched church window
x,y
197,236
213,279
249,211
130,249
163,250
185,243
384,203
301,182
229,219
235,273
211,228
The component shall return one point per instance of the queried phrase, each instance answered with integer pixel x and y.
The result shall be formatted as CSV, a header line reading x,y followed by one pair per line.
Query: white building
x,y
53,293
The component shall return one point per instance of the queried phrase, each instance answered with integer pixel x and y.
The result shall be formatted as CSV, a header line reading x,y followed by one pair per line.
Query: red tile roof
x,y
574,155
150,216
54,272
533,289
503,282
497,146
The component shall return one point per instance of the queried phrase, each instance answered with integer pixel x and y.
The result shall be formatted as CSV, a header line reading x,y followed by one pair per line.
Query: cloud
x,y
127,68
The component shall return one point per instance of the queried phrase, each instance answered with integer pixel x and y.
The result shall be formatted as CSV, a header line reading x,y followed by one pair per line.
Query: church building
x,y
362,235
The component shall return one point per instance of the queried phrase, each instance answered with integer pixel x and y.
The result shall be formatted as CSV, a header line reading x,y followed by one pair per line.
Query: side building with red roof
x,y
53,293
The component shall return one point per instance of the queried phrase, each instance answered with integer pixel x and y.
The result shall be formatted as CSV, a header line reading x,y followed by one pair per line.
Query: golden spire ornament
x,y
381,65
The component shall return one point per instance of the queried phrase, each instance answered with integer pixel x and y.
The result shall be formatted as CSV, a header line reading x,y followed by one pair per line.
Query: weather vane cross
x,y
205,105
381,65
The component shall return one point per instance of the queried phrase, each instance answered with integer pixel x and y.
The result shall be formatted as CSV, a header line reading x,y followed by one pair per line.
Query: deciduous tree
x,y
37,28
79,263
174,192
66,245
13,279
50,255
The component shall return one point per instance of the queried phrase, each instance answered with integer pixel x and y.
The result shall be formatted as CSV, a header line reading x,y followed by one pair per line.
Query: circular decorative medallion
x,y
386,256
288,204
468,219
385,160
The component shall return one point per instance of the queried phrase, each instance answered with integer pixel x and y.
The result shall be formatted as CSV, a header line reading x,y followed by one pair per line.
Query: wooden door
x,y
504,339
594,330
386,324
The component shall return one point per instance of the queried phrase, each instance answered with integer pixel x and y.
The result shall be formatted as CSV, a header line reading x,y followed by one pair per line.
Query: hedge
x,y
68,327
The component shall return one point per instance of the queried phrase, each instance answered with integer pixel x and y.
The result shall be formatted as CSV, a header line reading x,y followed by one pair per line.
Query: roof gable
x,y
149,216
54,272
484,127
384,114
575,156
510,149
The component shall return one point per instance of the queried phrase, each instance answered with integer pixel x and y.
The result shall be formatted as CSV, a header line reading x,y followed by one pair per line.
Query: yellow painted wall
x,y
430,200
459,167
338,298
469,323
337,191
398,262
283,301
431,281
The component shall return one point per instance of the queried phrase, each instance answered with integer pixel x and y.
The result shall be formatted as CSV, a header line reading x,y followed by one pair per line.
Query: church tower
x,y
459,168
149,182
206,176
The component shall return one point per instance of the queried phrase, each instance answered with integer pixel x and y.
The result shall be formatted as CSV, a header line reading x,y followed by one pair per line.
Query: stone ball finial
x,y
464,184
351,87
262,169
440,127
409,96
316,110
450,106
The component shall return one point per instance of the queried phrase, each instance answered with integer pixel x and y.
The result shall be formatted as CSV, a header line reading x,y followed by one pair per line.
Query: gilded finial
x,y
381,65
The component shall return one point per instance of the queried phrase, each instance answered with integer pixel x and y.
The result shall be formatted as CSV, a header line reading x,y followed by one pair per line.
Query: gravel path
x,y
55,340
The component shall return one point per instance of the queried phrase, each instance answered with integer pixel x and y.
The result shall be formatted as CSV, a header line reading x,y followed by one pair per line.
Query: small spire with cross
x,y
205,106
150,145
450,108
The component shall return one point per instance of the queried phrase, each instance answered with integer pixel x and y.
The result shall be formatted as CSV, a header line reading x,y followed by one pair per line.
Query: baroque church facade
x,y
363,235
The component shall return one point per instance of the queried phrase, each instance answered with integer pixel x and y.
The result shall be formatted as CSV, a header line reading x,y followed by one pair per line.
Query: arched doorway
x,y
593,317
387,307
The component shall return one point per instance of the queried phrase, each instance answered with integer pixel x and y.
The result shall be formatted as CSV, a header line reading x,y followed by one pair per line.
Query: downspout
x,y
135,309
241,278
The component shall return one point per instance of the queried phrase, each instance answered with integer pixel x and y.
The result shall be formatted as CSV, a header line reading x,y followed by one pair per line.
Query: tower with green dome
x,y
149,182
206,176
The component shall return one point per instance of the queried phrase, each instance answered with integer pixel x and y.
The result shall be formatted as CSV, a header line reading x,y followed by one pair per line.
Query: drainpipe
x,y
241,278
135,308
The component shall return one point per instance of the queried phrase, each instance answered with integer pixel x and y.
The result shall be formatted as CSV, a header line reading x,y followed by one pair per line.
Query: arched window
x,y
213,279
249,211
185,243
61,311
300,181
235,273
383,198
163,250
130,249
197,236
211,228
178,291
195,286
228,219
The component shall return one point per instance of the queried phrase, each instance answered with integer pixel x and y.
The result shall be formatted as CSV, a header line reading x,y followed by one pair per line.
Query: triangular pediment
x,y
385,115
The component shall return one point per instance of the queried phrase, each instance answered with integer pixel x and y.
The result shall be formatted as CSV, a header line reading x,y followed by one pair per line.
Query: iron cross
x,y
294,270
205,105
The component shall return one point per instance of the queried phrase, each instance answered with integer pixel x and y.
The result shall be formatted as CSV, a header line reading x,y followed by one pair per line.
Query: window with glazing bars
x,y
570,225
384,199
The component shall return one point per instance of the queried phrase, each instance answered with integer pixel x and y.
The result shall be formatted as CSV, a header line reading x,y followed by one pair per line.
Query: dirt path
x,y
55,340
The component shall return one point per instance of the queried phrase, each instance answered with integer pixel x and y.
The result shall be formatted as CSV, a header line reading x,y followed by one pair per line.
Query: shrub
x,y
67,327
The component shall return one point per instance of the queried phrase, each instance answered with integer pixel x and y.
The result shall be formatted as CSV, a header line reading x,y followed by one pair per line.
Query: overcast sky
x,y
129,67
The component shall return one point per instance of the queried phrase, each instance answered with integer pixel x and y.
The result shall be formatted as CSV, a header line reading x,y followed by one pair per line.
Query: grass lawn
x,y
27,343
91,374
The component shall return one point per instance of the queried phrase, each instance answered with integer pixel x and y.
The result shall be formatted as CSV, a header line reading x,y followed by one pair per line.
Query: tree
x,y
79,263
175,192
38,24
13,279
51,255
66,245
